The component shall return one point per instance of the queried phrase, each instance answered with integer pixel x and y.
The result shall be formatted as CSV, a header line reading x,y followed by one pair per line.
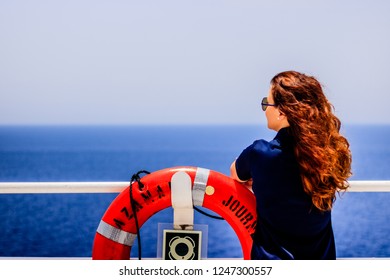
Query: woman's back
x,y
287,217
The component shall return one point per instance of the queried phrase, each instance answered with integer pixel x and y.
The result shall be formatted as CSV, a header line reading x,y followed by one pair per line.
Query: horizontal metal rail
x,y
117,187
62,187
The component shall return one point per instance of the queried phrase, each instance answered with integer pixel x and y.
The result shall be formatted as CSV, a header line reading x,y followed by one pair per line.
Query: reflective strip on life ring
x,y
115,234
210,189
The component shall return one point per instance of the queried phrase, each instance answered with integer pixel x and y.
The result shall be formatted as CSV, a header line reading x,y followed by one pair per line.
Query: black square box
x,y
181,245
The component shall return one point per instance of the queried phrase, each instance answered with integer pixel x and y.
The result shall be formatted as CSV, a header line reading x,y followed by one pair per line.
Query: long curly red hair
x,y
322,153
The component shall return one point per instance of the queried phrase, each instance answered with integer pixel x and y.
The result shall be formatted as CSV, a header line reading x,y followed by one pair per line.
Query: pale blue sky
x,y
178,61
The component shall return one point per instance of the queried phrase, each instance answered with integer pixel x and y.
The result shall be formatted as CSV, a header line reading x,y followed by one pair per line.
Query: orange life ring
x,y
215,191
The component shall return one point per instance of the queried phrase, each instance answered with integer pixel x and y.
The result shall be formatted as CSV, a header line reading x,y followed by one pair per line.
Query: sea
x,y
64,225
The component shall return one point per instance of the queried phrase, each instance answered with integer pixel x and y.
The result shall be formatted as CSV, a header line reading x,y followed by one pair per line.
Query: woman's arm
x,y
233,174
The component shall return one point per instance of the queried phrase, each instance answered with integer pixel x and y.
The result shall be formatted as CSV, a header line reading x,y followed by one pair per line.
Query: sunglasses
x,y
265,104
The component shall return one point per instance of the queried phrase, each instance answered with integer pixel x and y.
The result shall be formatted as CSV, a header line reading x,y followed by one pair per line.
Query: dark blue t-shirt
x,y
289,226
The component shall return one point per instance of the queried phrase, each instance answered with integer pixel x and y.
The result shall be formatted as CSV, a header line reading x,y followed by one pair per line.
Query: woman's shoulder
x,y
282,141
264,146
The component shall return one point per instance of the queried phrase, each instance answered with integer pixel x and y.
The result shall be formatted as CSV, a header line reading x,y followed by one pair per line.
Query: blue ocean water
x,y
54,225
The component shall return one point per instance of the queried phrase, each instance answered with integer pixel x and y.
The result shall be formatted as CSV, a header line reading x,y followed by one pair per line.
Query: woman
x,y
295,176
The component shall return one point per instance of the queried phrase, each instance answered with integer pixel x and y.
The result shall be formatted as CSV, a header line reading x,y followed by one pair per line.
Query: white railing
x,y
117,187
